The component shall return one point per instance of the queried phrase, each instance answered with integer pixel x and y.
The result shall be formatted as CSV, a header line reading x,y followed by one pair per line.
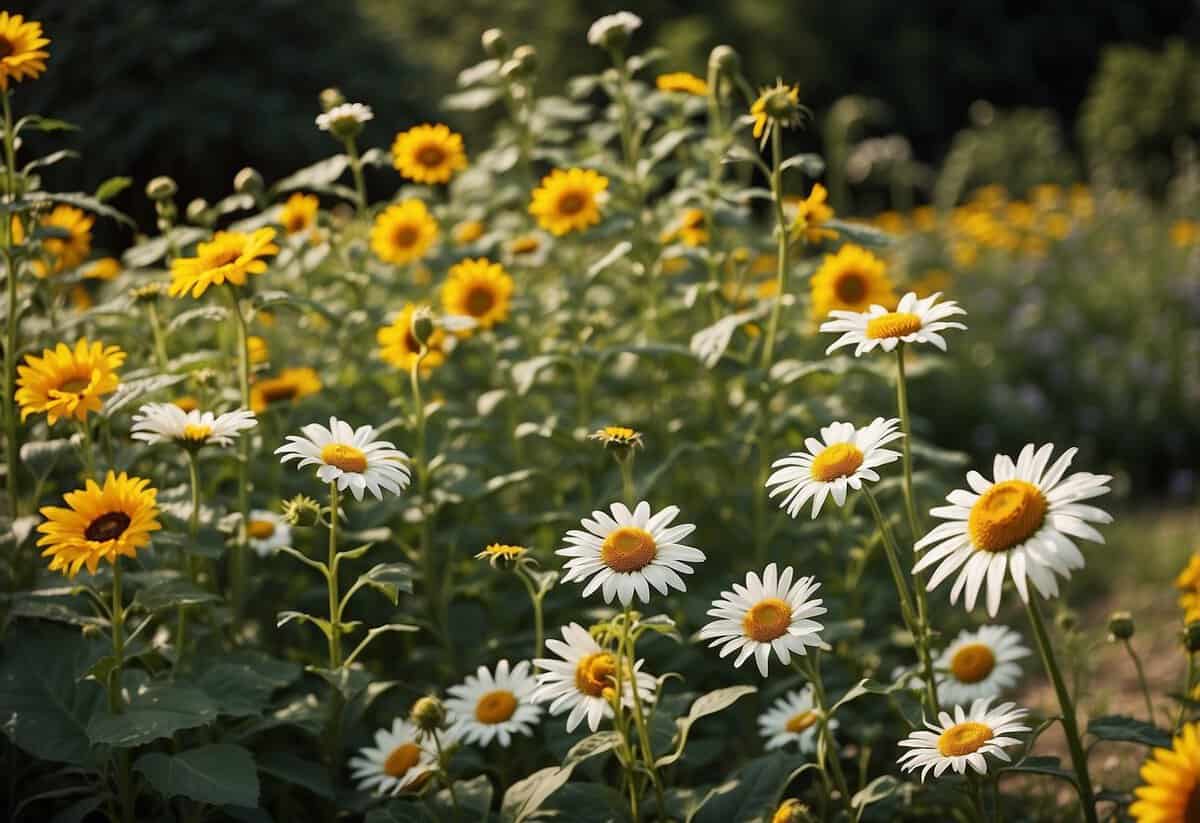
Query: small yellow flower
x,y
399,347
682,82
1188,583
289,385
68,382
257,348
851,280
468,231
791,811
811,215
1185,233
692,229
568,200
299,213
106,268
64,252
1170,793
102,523
403,232
618,437
428,154
22,49
778,104
227,258
892,222
479,289
497,553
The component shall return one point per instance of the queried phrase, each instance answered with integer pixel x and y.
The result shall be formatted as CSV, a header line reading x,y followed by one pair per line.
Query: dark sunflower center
x,y
851,288
480,301
405,236
571,203
431,156
283,391
108,526
6,48
1191,812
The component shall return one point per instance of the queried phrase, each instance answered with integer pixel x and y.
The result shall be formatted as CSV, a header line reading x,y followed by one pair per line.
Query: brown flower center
x,y
963,738
767,620
628,549
6,48
1006,515
405,236
346,458
75,385
106,527
838,460
480,301
274,392
595,674
893,324
801,722
402,758
260,529
571,203
495,707
972,663
431,156
850,287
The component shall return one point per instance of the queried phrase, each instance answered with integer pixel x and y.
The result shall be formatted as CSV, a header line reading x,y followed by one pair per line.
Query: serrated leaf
x,y
217,774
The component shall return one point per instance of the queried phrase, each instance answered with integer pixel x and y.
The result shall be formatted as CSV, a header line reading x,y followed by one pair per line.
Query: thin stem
x,y
1141,675
828,760
639,718
433,588
442,761
189,569
976,785
630,757
116,703
781,253
89,462
156,331
539,626
1087,798
1190,678
238,557
360,186
12,450
628,491
333,730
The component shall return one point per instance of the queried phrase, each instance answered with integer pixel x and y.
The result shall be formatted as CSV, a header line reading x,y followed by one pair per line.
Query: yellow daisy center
x,y
195,431
346,458
107,526
495,707
850,287
838,460
1006,515
767,620
260,529
801,722
479,301
402,758
525,245
972,663
893,324
628,549
595,674
963,738
431,155
571,203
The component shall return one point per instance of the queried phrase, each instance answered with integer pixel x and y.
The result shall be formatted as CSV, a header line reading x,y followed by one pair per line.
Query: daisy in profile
x,y
266,532
793,718
399,760
428,153
345,118
167,423
1171,781
351,458
68,381
980,663
913,321
628,552
568,200
842,459
964,739
583,681
498,554
227,258
495,704
100,523
1021,522
767,614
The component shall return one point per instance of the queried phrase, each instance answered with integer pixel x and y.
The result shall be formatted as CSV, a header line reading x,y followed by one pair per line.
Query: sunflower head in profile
x,y
399,346
68,241
299,213
502,554
568,200
288,386
428,153
100,523
479,289
23,52
227,258
403,232
851,280
682,82
106,268
777,106
68,382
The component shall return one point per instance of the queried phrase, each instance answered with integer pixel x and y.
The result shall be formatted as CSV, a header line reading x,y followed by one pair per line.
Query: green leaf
x,y
390,579
402,811
237,689
49,160
473,799
587,803
813,165
217,774
616,253
471,99
1051,766
78,811
753,792
111,187
39,123
1129,730
81,201
159,711
861,688
525,797
171,594
289,768
272,299
134,390
878,789
861,234
316,176
704,705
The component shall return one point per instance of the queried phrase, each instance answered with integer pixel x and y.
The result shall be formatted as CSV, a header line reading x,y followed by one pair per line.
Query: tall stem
x,y
828,760
1087,797
360,186
433,587
238,557
781,253
1141,676
539,624
12,451
116,703
639,718
156,331
333,732
189,568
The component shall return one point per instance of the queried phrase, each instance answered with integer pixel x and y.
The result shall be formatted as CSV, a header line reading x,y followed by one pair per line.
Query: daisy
x,y
352,458
842,459
398,760
584,679
167,423
346,115
793,718
963,740
1169,793
267,531
622,24
767,613
1021,522
979,663
494,704
913,321
629,552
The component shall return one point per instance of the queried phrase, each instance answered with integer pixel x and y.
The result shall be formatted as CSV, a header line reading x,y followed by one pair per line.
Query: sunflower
x,y
428,154
289,384
68,382
257,349
403,232
71,243
479,289
682,82
468,231
398,346
100,524
568,200
851,280
812,213
1188,583
1171,776
691,229
776,105
106,268
299,213
22,49
228,257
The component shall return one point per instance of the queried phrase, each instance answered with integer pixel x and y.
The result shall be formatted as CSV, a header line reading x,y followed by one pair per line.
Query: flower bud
x,y
1191,636
724,59
248,181
780,104
525,60
1066,620
197,211
301,510
495,44
161,188
791,811
428,714
423,325
330,98
1120,625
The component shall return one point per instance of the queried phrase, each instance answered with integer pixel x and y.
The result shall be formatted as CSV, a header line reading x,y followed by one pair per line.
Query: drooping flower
x,y
399,760
479,289
227,258
964,739
403,232
495,704
811,215
267,531
682,82
913,321
793,718
299,213
777,106
289,385
351,458
613,30
68,382
23,52
399,347
428,153
1171,777
101,523
167,423
568,200
1022,522
853,279
980,663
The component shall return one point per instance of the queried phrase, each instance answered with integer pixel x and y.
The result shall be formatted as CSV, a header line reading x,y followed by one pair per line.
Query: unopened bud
x,y
161,188
197,210
495,44
331,97
248,181
1120,625
724,59
423,325
780,104
526,58
1066,620
302,510
428,714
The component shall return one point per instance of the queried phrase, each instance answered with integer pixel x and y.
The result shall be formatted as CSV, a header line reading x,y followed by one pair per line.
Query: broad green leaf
x,y
402,811
588,803
237,689
1129,730
316,176
390,579
471,99
78,811
753,792
171,594
878,789
861,234
293,769
159,711
217,774
81,201
705,705
525,797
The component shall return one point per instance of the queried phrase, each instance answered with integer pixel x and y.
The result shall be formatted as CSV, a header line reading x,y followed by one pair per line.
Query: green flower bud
x,y
423,325
248,181
495,44
161,188
428,714
330,98
724,59
1120,625
197,211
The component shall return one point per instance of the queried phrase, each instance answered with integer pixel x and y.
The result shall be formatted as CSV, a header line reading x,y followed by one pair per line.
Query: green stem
x,y
1141,675
360,186
433,583
1190,678
639,718
781,254
539,626
193,530
628,490
333,731
12,449
89,460
116,704
629,754
160,342
828,760
238,559
442,762
1087,798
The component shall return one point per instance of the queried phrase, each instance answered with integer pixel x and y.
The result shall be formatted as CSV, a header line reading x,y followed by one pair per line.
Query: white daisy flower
x,y
766,614
963,740
352,458
793,719
842,459
494,705
980,663
629,552
584,679
622,24
913,321
167,423
267,531
1021,522
397,761
356,113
